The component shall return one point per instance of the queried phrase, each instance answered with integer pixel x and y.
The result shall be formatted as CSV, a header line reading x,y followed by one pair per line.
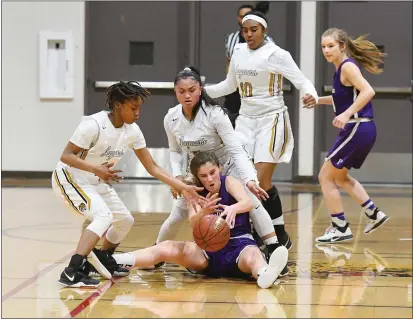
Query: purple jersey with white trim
x,y
242,221
344,96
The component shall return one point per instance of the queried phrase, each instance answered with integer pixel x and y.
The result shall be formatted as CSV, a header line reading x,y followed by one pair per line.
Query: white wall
x,y
34,131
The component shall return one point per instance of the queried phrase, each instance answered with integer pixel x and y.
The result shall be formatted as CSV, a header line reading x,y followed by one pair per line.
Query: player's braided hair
x,y
261,6
194,74
201,159
123,91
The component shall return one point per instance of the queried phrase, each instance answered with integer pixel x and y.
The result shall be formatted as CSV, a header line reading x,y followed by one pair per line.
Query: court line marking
x,y
405,238
37,275
90,299
236,303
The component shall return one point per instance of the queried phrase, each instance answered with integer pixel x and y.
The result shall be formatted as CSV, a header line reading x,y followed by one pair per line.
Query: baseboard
x,y
305,180
25,174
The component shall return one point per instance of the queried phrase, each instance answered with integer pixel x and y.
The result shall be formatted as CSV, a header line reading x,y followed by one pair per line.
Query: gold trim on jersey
x,y
83,154
63,191
274,135
285,136
279,84
77,188
271,84
246,89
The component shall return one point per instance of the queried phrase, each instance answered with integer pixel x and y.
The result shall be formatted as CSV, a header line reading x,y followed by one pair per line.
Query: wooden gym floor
x,y
368,277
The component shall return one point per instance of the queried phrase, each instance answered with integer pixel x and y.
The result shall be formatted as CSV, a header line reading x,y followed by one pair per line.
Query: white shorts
x,y
87,199
267,139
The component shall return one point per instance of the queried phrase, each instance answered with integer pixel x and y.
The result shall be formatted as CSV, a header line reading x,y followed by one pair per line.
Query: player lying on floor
x,y
240,258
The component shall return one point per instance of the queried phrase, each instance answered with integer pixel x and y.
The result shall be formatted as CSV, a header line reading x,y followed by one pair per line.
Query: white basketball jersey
x,y
260,90
211,130
102,143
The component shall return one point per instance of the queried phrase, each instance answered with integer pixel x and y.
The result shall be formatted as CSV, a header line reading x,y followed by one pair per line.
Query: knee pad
x,y
101,222
261,221
120,229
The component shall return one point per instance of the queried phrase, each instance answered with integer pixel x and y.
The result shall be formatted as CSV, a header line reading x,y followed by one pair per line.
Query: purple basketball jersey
x,y
224,262
242,221
344,96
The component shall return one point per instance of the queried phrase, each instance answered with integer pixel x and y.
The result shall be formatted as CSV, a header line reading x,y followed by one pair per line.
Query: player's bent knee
x,y
170,248
127,222
101,223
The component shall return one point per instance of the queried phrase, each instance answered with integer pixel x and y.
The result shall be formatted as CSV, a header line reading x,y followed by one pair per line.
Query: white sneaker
x,y
335,234
375,221
276,264
94,260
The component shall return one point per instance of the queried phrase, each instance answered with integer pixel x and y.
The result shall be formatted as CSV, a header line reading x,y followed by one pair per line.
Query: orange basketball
x,y
211,233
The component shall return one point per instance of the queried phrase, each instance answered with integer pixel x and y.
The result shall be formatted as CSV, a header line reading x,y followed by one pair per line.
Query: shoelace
x,y
330,230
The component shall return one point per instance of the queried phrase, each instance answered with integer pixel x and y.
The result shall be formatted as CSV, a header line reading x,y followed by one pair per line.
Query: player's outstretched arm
x,y
189,191
228,86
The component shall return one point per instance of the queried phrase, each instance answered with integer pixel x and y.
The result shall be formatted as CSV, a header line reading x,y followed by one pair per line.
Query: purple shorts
x,y
224,262
352,145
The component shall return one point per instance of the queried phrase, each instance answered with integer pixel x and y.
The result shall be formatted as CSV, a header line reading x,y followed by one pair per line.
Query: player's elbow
x,y
372,92
65,157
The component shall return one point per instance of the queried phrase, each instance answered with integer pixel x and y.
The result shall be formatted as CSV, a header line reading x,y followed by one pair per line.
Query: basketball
x,y
211,233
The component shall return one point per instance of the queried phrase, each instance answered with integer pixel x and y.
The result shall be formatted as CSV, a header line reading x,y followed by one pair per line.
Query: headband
x,y
256,18
202,78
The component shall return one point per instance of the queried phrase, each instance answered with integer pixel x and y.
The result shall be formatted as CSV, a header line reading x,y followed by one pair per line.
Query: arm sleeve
x,y
225,87
85,134
176,157
138,140
243,163
283,63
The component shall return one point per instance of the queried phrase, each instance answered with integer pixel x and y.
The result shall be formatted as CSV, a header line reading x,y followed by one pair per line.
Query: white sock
x,y
125,259
278,220
339,222
271,240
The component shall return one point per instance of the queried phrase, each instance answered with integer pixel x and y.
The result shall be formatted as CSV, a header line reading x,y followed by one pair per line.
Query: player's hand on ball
x,y
257,191
210,204
230,212
106,174
309,101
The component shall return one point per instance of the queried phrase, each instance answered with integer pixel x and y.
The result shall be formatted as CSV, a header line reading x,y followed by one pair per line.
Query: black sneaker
x,y
159,264
122,270
108,264
76,278
286,241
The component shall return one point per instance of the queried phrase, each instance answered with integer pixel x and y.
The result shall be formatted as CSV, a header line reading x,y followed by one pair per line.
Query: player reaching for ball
x,y
199,124
241,256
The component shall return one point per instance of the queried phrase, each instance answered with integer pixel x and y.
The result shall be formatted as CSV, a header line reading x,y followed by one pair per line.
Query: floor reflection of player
x,y
259,303
347,283
163,303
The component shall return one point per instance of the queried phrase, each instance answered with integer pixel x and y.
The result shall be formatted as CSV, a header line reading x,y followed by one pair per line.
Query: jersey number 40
x,y
246,89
